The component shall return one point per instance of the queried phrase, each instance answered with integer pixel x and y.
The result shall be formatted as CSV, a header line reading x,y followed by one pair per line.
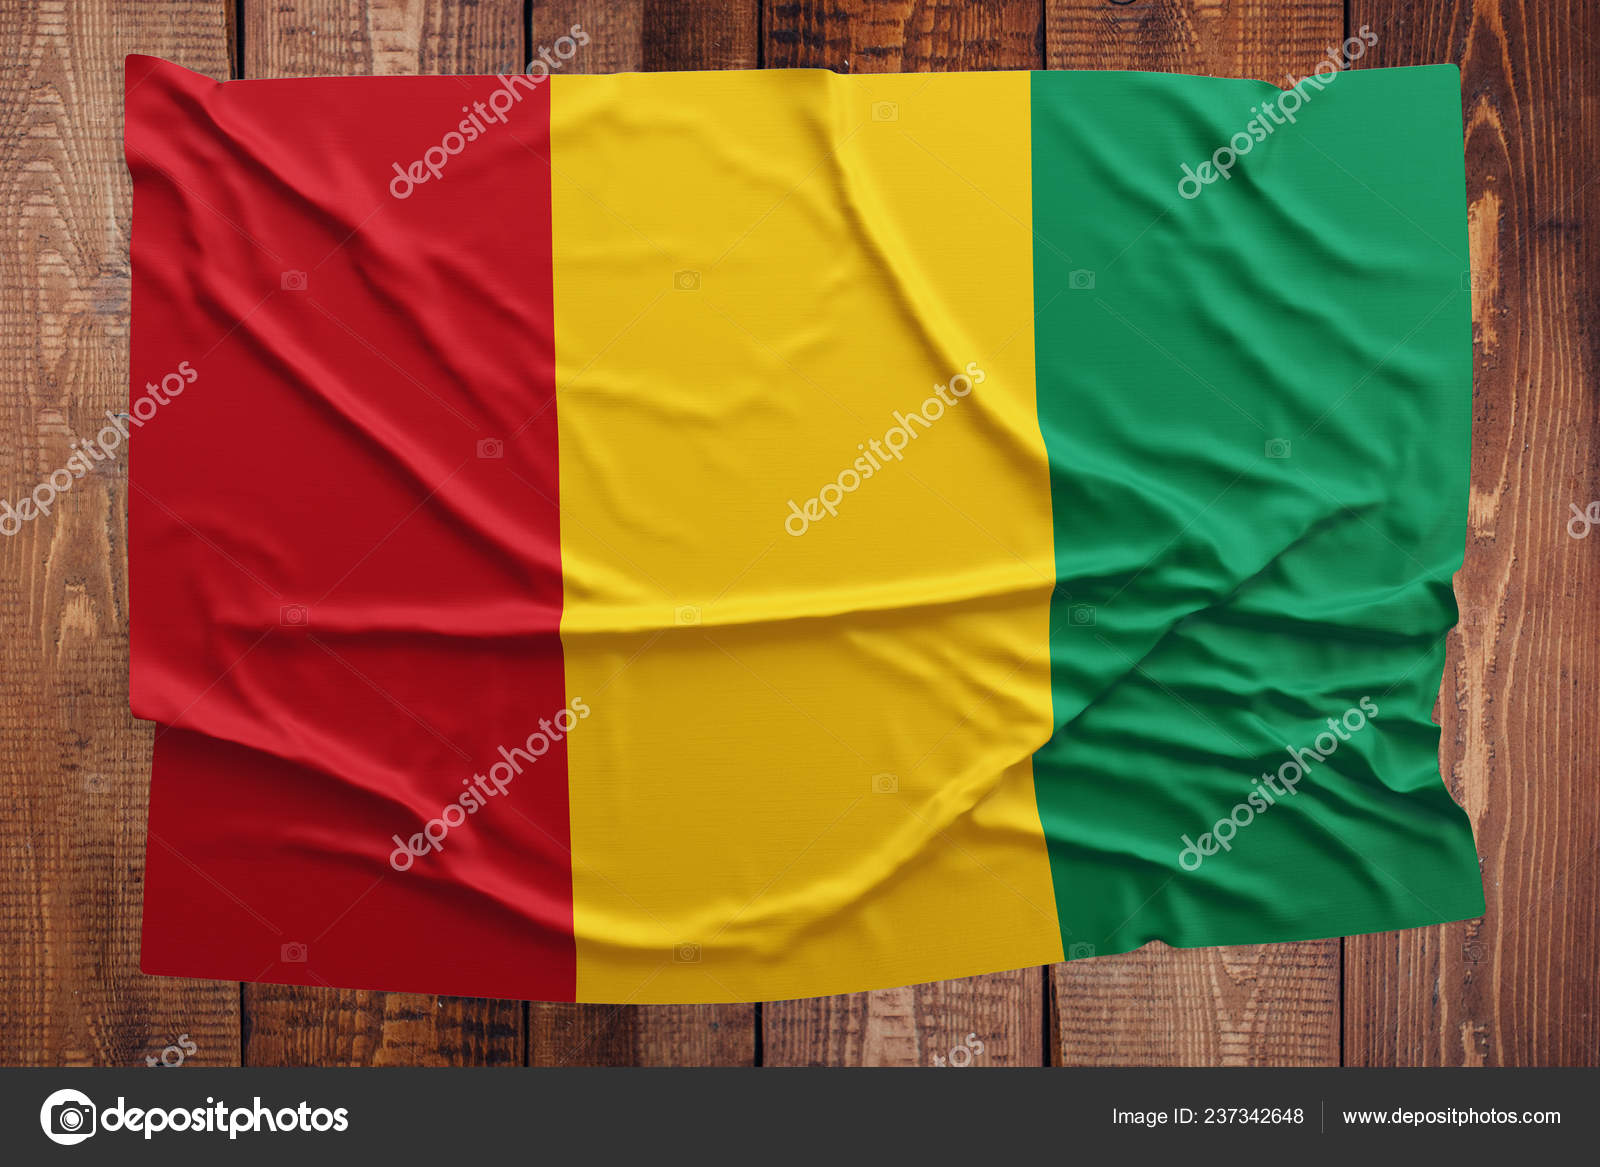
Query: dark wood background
x,y
1519,704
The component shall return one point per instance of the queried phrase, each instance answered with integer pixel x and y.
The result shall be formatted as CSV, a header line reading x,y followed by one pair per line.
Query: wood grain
x,y
634,35
891,36
615,28
1250,1005
74,764
283,1024
287,1026
642,1035
307,38
994,1020
1268,1004
1519,705
1219,38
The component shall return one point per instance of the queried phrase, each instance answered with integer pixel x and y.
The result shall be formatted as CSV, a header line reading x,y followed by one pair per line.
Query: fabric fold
x,y
737,536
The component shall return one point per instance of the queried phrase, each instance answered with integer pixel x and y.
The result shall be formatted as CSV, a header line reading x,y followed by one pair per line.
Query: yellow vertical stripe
x,y
807,768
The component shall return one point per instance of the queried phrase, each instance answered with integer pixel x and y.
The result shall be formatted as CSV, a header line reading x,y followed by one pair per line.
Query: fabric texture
x,y
736,536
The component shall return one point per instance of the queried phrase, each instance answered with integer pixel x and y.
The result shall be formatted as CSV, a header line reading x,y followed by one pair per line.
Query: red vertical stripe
x,y
344,539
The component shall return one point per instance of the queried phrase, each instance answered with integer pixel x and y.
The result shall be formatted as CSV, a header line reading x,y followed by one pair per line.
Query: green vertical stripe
x,y
1257,407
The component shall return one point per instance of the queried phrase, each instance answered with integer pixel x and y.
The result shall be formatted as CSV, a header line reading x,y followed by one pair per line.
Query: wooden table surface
x,y
1520,704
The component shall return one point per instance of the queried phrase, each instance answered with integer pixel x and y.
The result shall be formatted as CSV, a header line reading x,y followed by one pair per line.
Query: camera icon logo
x,y
1079,950
686,615
1081,280
1277,447
294,616
885,784
686,281
1081,615
686,953
294,281
67,1117
885,111
293,952
491,448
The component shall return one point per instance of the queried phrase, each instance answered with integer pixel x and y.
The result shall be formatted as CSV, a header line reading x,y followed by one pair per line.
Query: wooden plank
x,y
1219,38
1519,707
1270,1004
615,28
289,1025
633,35
75,765
630,36
309,38
1004,1013
889,36
994,1020
642,1035
1250,1005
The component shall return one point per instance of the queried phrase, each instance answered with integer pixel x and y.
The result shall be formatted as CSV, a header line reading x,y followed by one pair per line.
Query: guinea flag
x,y
733,536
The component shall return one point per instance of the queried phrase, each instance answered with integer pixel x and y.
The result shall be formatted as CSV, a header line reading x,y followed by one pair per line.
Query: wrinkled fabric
x,y
707,537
